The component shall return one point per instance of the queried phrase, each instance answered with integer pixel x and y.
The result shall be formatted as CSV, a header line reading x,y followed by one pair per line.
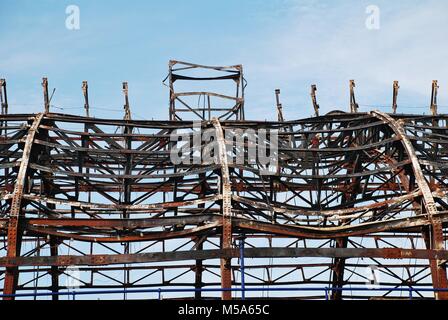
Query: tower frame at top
x,y
209,103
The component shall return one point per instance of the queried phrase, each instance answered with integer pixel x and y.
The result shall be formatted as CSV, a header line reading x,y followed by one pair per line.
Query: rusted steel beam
x,y
314,100
353,105
3,97
135,237
279,106
127,110
85,92
46,96
337,213
14,232
48,189
272,252
226,208
49,226
338,267
335,232
124,223
395,96
338,270
54,271
434,91
199,268
130,207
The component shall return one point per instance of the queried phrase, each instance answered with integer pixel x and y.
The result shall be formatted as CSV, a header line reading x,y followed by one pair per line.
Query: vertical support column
x,y
243,278
85,92
14,230
3,96
127,110
171,87
226,210
47,188
199,243
314,100
128,168
434,90
338,271
438,267
127,130
435,124
394,96
279,106
353,105
241,82
4,106
46,97
128,171
198,271
54,269
339,263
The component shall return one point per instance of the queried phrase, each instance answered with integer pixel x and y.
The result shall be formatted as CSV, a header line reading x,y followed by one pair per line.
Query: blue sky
x,y
282,44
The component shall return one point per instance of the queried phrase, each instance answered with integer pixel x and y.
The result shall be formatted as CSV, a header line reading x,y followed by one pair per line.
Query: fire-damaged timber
x,y
349,194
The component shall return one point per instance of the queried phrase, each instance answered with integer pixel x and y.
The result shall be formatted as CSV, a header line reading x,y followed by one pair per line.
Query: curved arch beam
x,y
438,270
419,176
11,277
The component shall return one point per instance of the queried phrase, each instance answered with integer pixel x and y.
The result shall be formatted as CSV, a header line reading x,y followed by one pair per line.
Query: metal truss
x,y
351,192
201,104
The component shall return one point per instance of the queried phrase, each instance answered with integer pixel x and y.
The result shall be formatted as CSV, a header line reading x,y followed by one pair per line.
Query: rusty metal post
x,y
434,91
85,92
172,111
199,268
127,110
394,96
240,95
54,270
226,210
46,96
14,229
353,105
314,100
4,105
338,267
279,106
3,96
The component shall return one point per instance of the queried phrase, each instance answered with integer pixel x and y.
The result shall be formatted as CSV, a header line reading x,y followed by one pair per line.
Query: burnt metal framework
x,y
204,105
351,194
103,195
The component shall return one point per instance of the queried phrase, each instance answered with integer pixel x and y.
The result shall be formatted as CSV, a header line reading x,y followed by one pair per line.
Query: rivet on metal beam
x,y
314,99
127,111
434,91
85,92
353,105
279,106
394,97
46,97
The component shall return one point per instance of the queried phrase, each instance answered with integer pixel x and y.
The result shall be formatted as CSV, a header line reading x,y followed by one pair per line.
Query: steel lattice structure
x,y
351,191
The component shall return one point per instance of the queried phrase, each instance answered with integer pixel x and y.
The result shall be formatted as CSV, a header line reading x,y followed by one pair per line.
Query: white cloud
x,y
331,45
